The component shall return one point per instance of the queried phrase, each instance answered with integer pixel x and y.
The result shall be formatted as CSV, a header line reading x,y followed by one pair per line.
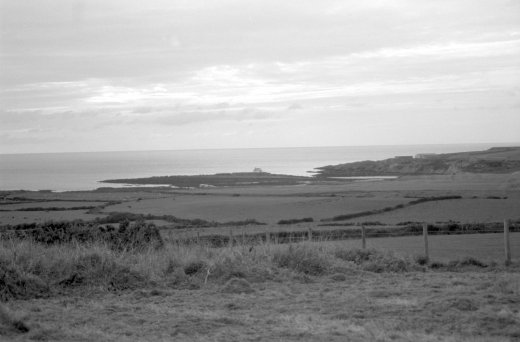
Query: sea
x,y
85,170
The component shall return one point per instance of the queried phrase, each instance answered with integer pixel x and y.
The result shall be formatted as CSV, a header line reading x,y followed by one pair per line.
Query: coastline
x,y
83,171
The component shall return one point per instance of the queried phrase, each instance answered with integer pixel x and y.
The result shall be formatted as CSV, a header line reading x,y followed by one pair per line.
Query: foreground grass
x,y
305,292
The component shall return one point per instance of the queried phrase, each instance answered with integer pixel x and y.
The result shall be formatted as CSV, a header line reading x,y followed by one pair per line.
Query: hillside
x,y
494,160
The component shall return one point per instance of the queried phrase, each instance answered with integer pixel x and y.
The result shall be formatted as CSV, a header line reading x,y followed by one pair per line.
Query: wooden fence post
x,y
507,245
230,238
425,235
363,237
198,238
310,234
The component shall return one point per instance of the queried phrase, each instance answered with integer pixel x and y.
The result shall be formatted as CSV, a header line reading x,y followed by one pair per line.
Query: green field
x,y
489,247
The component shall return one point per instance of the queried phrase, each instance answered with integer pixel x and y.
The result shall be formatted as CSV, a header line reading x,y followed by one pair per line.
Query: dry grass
x,y
371,307
304,292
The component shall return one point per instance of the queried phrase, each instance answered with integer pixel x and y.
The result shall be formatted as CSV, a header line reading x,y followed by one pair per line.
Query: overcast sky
x,y
94,75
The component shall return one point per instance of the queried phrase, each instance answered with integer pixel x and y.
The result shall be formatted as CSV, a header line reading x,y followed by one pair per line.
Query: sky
x,y
109,75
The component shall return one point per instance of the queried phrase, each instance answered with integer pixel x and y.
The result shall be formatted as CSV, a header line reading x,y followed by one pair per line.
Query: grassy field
x,y
486,247
467,210
268,209
271,204
300,292
311,291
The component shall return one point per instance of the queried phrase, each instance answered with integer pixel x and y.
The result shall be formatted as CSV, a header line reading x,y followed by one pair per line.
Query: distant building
x,y
425,155
257,169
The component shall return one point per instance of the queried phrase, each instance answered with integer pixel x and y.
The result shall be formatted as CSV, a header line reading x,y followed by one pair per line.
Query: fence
x,y
359,232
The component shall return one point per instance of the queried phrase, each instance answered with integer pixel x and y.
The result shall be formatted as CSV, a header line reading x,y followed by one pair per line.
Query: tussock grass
x,y
378,262
303,258
29,269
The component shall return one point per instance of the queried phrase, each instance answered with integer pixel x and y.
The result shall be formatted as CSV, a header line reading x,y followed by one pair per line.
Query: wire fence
x,y
360,232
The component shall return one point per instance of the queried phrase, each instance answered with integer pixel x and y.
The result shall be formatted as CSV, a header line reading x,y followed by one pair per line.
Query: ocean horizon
x,y
74,171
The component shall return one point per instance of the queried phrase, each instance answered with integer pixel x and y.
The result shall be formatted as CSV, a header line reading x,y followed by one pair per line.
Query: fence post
x,y
230,238
425,235
198,238
507,246
310,234
363,237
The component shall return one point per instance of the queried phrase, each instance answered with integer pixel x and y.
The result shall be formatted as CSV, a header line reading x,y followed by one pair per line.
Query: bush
x,y
293,221
194,267
302,259
137,236
15,284
97,270
469,261
230,267
357,256
421,260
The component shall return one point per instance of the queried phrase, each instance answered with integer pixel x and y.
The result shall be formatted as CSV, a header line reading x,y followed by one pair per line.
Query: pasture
x,y
309,291
298,292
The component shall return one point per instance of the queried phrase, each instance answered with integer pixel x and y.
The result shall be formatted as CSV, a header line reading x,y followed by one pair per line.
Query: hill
x,y
494,160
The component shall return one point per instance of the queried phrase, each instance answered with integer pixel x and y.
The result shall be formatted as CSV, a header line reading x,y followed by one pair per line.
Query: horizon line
x,y
501,144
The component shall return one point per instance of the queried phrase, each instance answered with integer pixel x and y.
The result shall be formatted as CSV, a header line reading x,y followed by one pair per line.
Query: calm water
x,y
82,171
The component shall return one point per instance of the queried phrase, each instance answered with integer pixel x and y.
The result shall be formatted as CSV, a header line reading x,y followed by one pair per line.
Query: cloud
x,y
450,50
112,67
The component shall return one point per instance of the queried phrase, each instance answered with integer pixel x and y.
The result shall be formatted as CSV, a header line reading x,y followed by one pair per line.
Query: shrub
x,y
194,267
293,221
137,236
302,259
421,260
437,265
357,256
229,267
97,270
15,284
469,261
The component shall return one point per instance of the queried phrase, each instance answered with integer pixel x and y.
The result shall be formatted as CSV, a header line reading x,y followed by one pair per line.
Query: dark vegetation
x,y
302,259
378,262
408,229
219,179
116,217
53,208
387,209
21,280
292,221
138,235
29,271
